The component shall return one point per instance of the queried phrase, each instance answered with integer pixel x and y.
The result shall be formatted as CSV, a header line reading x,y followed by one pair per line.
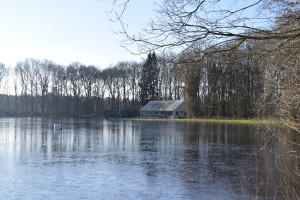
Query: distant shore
x,y
286,123
233,121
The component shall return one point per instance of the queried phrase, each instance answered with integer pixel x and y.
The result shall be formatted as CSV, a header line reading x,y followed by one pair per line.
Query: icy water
x,y
103,159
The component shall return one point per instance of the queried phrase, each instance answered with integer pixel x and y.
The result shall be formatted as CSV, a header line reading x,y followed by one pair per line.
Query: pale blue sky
x,y
66,31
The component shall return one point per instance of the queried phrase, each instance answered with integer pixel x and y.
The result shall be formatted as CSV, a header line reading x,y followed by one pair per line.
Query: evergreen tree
x,y
149,80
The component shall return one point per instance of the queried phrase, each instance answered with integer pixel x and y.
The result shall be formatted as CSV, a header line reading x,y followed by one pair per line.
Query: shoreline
x,y
232,121
285,123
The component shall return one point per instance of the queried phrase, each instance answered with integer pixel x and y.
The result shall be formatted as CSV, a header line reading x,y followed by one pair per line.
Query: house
x,y
163,109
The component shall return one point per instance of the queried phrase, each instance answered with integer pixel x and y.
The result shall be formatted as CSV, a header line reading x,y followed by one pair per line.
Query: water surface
x,y
103,159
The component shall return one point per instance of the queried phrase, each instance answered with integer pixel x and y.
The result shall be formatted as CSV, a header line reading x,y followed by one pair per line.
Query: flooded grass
x,y
228,121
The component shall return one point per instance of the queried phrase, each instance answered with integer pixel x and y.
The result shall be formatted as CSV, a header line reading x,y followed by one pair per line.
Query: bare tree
x,y
22,70
122,79
111,84
58,89
99,92
184,24
72,73
43,72
87,78
133,78
3,72
3,75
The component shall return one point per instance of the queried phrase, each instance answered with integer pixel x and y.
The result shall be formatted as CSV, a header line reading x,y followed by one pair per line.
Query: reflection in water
x,y
101,159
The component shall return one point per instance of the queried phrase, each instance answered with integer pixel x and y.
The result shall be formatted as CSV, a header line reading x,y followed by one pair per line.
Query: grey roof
x,y
162,105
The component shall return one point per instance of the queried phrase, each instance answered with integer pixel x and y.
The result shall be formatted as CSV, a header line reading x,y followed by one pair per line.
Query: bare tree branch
x,y
182,24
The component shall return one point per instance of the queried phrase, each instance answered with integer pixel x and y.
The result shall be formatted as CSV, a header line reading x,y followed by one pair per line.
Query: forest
x,y
215,87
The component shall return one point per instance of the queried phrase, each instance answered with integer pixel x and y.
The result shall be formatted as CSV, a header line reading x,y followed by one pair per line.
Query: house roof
x,y
162,105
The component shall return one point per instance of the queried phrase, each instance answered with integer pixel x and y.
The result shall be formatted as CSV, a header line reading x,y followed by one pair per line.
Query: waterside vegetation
x,y
228,121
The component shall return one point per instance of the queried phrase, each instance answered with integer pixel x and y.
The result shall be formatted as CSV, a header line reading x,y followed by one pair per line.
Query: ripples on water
x,y
102,159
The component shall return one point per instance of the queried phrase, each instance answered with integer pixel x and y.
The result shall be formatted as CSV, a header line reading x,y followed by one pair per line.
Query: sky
x,y
66,31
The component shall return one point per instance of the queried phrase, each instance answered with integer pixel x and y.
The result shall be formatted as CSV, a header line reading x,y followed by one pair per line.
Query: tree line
x,y
214,87
232,84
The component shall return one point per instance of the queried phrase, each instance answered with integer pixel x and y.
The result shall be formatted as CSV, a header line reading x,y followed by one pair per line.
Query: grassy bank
x,y
231,121
289,124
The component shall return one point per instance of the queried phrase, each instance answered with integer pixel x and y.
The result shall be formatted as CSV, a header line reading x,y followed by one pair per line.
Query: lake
x,y
124,159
